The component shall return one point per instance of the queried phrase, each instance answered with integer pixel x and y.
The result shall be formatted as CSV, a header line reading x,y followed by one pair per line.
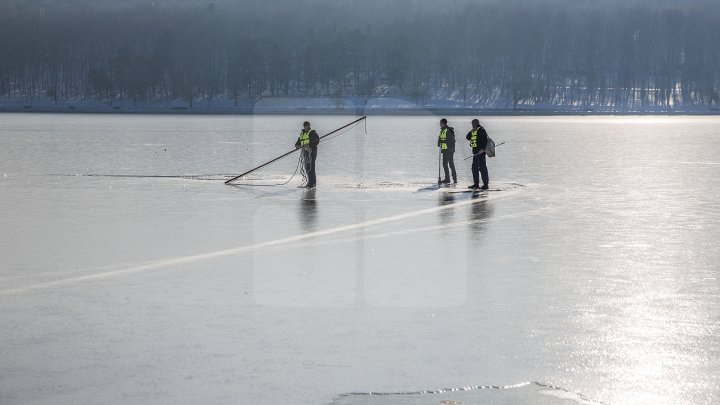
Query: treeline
x,y
627,56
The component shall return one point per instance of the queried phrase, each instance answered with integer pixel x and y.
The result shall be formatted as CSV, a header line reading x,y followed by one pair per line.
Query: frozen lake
x,y
590,277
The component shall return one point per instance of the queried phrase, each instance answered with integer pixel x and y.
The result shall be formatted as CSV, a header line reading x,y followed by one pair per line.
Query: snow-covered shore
x,y
328,105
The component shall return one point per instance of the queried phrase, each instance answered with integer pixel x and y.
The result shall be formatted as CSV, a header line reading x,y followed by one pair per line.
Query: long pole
x,y
285,154
472,156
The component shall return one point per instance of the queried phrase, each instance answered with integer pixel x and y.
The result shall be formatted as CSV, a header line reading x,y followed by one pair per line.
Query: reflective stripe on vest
x,y
305,137
443,137
473,139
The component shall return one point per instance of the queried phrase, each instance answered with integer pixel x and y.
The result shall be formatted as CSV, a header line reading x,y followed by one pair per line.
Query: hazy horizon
x,y
630,56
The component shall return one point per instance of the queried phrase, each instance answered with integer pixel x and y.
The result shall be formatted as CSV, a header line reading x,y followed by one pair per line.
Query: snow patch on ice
x,y
526,392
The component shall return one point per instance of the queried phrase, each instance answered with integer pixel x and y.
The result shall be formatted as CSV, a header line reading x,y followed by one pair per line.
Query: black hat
x,y
476,122
306,123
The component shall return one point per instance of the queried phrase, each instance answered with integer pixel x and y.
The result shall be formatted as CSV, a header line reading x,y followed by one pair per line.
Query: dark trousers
x,y
479,168
449,160
310,166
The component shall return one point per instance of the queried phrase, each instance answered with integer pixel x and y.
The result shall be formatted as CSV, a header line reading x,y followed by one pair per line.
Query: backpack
x,y
490,148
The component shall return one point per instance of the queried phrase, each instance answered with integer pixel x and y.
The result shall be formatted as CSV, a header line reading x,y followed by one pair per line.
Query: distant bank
x,y
333,106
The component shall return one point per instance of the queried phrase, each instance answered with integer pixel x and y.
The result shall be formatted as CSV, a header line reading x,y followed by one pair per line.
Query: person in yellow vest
x,y
446,143
309,140
478,138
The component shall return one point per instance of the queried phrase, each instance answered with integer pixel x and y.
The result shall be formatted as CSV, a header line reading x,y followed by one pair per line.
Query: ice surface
x,y
523,393
594,269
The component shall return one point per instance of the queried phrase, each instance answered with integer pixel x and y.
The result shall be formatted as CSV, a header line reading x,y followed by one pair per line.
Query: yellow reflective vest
x,y
443,139
305,137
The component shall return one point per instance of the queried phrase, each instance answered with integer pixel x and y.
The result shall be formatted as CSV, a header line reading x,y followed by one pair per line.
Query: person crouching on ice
x,y
478,139
308,141
446,143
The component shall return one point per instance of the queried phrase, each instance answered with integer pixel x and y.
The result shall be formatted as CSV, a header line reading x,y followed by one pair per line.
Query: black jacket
x,y
314,140
482,138
449,138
